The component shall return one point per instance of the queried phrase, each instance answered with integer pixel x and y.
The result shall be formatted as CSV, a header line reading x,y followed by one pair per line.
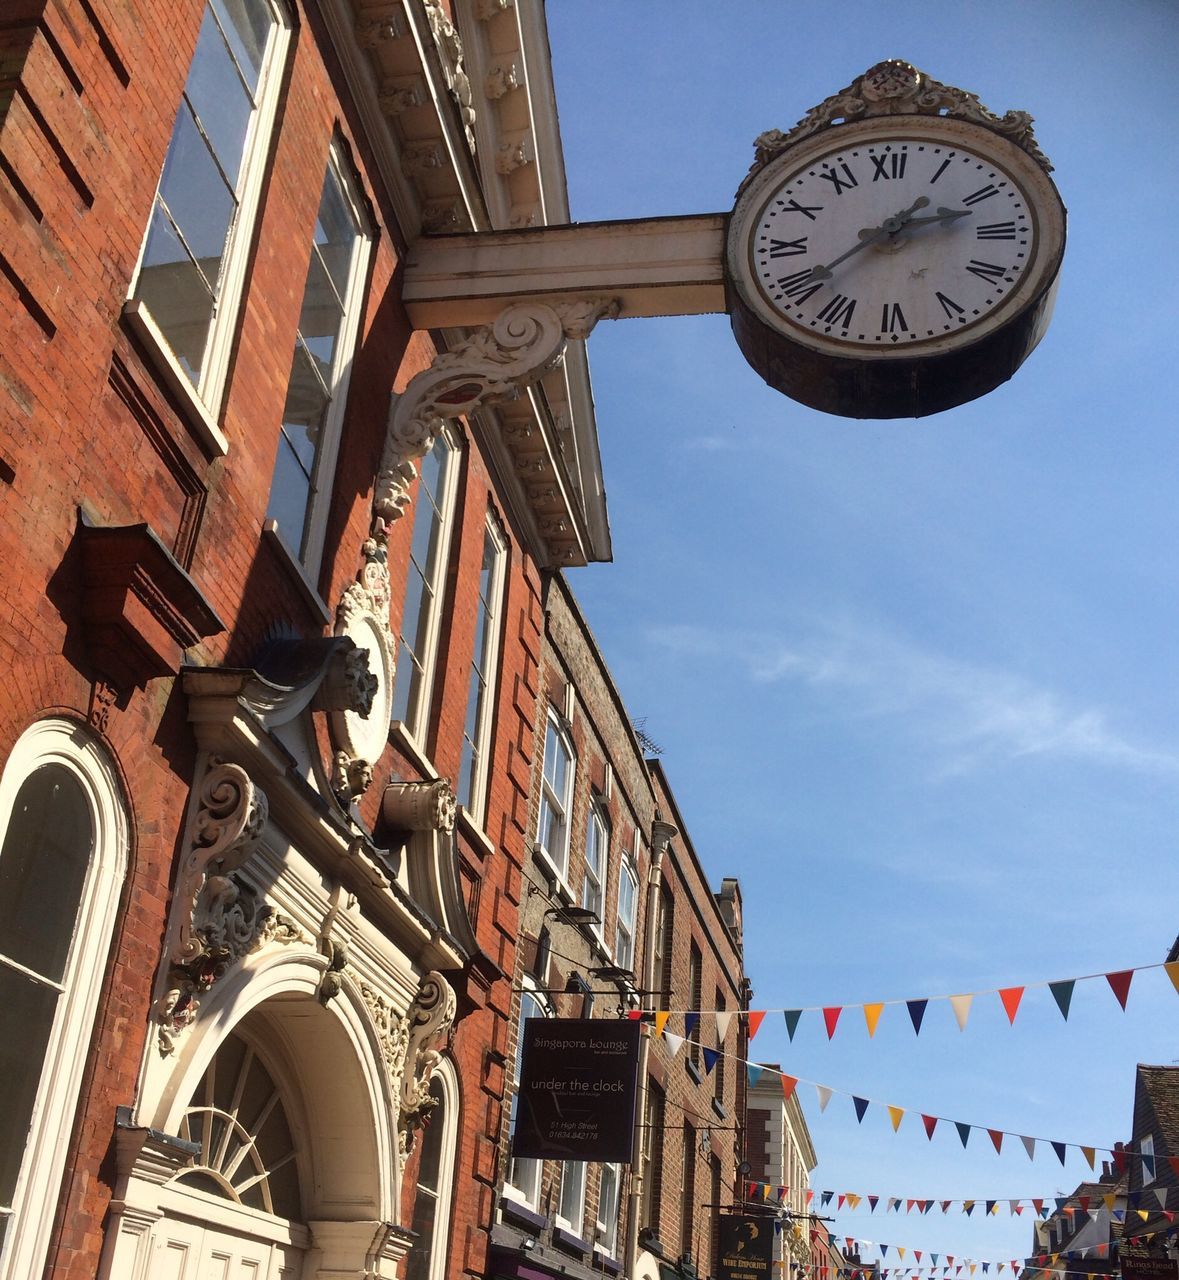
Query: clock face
x,y
892,241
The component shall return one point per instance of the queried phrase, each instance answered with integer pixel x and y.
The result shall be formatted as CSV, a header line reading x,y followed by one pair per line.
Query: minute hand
x,y
871,235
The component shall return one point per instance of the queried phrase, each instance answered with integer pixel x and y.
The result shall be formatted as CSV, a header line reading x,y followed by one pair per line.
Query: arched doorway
x,y
237,1208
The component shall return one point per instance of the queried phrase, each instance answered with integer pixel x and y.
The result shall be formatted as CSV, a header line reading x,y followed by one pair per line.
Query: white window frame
x,y
598,833
445,1076
571,1203
417,714
560,806
525,1175
324,471
38,1188
205,400
626,872
606,1240
489,615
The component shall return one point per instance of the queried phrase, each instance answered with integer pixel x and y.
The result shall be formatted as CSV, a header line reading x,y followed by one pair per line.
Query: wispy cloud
x,y
969,711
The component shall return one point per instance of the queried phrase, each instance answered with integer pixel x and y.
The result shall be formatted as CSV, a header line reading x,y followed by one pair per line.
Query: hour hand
x,y
942,215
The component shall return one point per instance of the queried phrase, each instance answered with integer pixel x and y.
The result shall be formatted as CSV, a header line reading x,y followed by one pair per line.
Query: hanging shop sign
x,y
576,1098
746,1248
1149,1268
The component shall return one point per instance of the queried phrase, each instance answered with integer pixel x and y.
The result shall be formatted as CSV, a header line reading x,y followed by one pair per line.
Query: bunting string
x,y
1011,998
1039,1206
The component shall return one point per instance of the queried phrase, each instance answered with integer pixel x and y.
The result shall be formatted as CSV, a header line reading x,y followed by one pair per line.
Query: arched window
x,y
63,854
431,1208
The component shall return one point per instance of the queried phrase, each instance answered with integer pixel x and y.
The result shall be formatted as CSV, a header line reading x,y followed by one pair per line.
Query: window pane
x,y
200,203
219,99
304,410
176,294
427,532
26,1016
43,869
247,25
335,233
289,494
321,318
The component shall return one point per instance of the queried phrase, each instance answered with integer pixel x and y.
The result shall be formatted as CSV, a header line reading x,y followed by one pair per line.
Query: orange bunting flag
x,y
831,1017
789,1084
753,1021
1011,996
661,1021
997,1139
1090,1154
1172,968
1120,984
872,1014
895,1114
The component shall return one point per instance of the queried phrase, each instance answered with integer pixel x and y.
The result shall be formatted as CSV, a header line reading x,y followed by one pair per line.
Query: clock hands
x,y
889,227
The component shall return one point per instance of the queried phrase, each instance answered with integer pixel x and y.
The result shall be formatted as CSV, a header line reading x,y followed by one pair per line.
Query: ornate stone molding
x,y
419,806
485,10
500,80
512,155
894,88
362,615
495,363
221,918
430,1018
409,1047
450,50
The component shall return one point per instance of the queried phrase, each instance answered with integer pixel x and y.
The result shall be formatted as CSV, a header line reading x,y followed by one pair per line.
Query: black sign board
x,y
746,1248
576,1098
1148,1268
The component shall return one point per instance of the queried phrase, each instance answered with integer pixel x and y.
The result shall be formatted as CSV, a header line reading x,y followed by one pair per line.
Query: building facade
x,y
272,625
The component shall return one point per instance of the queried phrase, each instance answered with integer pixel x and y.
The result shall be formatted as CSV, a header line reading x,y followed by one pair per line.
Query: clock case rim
x,y
925,377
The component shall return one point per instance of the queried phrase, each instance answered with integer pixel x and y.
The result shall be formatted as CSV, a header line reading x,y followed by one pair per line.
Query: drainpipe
x,y
662,834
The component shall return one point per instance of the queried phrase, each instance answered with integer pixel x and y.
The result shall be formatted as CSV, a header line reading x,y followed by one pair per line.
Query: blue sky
x,y
915,682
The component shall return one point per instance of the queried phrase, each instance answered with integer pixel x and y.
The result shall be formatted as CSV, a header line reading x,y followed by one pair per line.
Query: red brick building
x,y
271,620
618,918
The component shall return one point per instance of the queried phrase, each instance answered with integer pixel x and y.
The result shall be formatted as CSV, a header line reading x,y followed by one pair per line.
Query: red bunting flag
x,y
789,1084
997,1139
1011,996
930,1123
1120,984
753,1021
831,1017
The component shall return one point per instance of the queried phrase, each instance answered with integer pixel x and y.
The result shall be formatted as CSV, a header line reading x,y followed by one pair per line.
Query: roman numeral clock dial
x,y
897,264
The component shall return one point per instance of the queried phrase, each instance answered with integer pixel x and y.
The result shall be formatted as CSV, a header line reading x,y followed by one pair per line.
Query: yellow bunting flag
x,y
1109,1201
1172,968
1090,1154
895,1114
872,1014
661,1021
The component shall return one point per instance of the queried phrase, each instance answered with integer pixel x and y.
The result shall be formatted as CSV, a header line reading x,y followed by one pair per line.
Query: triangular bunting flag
x,y
691,1022
1062,993
872,1014
963,1131
674,1043
945,1209
831,1017
1109,1201
1172,968
789,1084
792,1016
967,1205
1090,1154
842,1201
991,1207
961,1006
873,1201
824,1096
1058,1147
753,1072
1038,1205
710,1058
1160,1194
930,1123
661,1021
826,1198
895,1114
1011,996
1119,984
1029,1145
723,1018
997,1139
753,1021
861,1105
916,1013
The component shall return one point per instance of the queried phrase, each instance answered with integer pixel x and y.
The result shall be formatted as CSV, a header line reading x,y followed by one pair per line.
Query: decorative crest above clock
x,y
897,88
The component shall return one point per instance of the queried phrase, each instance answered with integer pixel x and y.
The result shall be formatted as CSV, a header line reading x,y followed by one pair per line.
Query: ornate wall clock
x,y
897,252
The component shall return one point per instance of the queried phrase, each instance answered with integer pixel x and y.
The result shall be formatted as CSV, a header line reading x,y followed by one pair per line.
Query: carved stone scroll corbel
x,y
221,918
419,806
430,1019
495,363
